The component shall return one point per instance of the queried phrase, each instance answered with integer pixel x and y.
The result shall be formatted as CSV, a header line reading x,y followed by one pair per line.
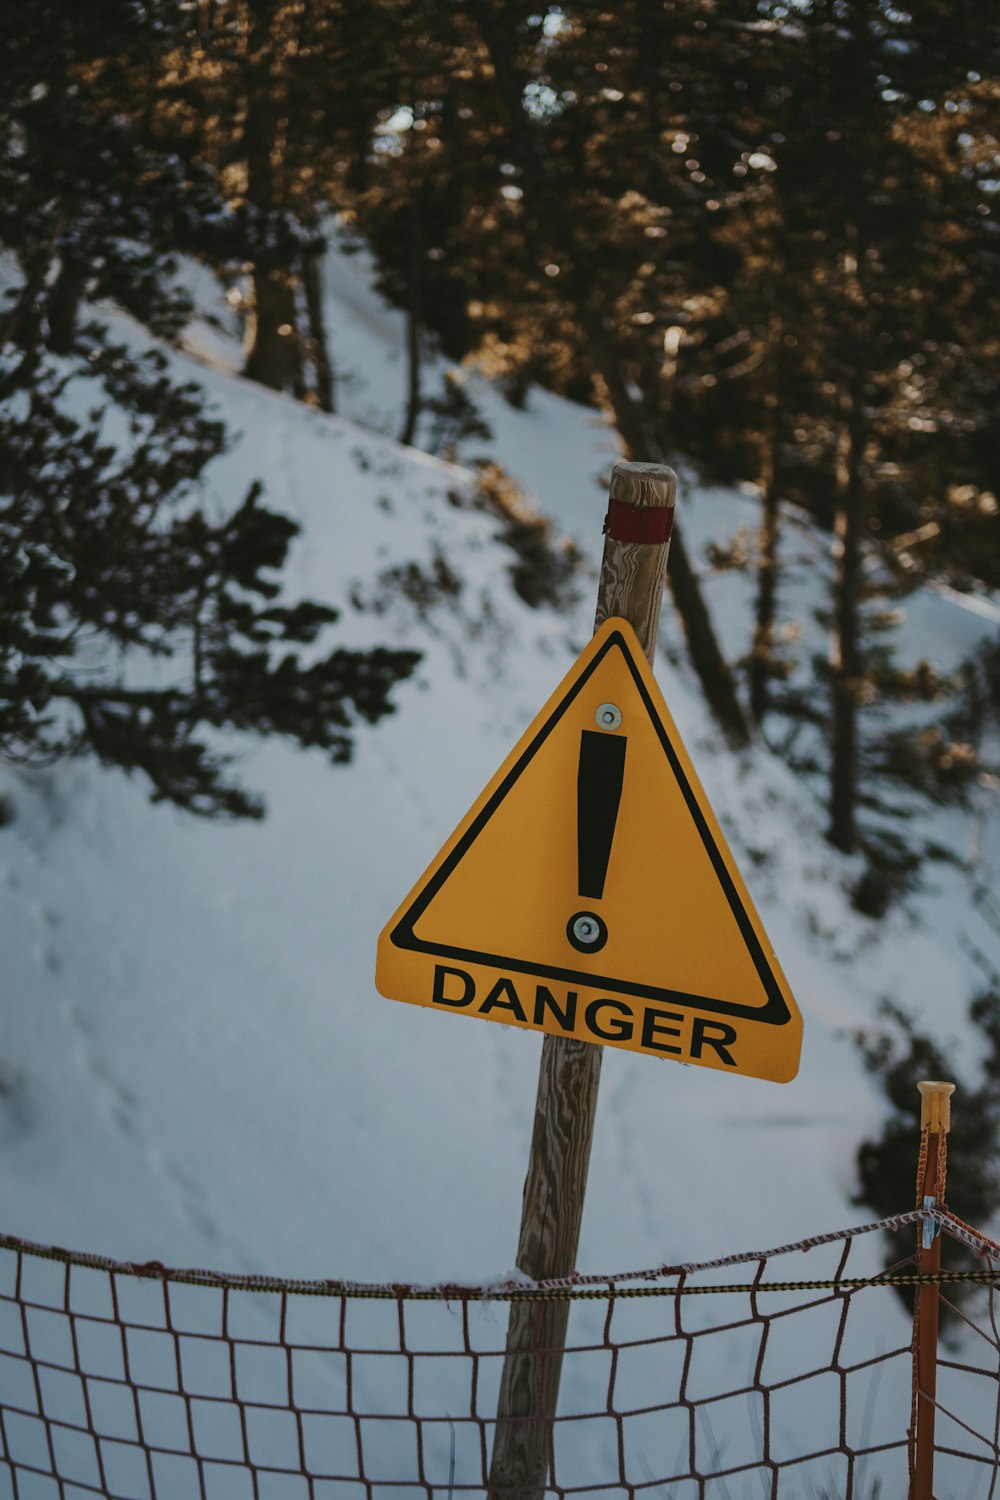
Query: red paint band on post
x,y
634,523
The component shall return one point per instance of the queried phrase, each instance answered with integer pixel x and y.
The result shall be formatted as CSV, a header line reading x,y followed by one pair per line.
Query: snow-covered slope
x,y
194,1063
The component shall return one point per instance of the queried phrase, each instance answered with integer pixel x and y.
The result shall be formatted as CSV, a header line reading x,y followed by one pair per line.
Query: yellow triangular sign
x,y
589,891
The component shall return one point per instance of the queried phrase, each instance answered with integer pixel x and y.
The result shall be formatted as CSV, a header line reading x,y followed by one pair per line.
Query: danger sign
x,y
589,891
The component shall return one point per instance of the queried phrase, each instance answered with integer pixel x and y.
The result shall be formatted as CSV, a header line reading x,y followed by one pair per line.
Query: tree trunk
x,y
273,356
713,671
845,650
319,348
413,396
64,304
635,425
272,338
414,317
765,605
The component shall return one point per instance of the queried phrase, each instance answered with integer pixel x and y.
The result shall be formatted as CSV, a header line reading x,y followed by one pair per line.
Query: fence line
x,y
577,1286
141,1383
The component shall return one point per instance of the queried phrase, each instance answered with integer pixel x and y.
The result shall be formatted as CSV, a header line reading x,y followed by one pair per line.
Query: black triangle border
x,y
774,1013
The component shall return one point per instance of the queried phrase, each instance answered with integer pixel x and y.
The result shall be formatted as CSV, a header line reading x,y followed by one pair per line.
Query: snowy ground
x,y
194,1064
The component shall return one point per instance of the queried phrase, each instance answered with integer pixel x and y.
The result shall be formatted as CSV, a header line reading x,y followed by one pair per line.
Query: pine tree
x,y
283,100
544,244
132,625
882,249
761,235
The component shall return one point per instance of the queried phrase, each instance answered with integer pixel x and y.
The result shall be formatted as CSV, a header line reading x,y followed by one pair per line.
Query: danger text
x,y
601,1019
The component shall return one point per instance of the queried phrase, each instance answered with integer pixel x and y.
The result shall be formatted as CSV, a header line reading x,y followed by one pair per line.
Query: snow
x,y
195,1066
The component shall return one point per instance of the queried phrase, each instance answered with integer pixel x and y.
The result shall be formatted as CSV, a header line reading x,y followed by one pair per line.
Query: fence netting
x,y
784,1374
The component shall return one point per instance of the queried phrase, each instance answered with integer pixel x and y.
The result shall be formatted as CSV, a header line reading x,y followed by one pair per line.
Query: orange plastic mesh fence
x,y
146,1384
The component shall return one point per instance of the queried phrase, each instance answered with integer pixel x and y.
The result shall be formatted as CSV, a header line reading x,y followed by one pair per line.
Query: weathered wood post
x,y
637,539
935,1122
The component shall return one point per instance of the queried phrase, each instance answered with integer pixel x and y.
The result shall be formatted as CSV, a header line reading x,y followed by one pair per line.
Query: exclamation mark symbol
x,y
599,782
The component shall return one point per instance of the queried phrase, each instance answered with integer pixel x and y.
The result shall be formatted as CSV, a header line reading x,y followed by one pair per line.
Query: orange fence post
x,y
935,1121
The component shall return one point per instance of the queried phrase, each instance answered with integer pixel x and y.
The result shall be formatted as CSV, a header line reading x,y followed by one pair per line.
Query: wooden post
x,y
638,525
935,1120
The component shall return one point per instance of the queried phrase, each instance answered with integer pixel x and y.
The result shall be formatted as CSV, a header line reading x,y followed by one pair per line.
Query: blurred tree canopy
x,y
757,232
133,624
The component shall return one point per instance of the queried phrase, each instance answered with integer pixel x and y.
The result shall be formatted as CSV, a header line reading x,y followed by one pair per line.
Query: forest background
x,y
760,234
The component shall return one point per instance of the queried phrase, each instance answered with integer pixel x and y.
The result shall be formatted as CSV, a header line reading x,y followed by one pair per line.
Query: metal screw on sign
x,y
587,932
608,716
